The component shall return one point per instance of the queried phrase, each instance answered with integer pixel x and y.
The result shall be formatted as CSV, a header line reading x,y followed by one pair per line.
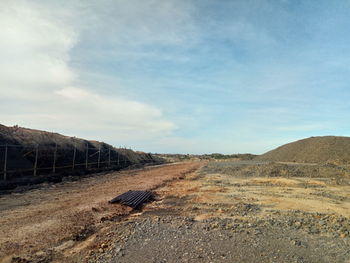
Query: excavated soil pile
x,y
25,148
327,149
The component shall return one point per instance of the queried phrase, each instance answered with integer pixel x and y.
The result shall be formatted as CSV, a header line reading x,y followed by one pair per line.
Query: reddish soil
x,y
58,217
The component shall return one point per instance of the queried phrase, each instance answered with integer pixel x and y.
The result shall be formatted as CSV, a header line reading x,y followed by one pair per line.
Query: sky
x,y
176,76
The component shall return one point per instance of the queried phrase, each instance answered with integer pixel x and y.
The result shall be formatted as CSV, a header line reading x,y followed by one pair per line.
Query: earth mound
x,y
19,136
323,149
29,156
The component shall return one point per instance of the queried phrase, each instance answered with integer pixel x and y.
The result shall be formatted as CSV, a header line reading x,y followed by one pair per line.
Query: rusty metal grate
x,y
133,198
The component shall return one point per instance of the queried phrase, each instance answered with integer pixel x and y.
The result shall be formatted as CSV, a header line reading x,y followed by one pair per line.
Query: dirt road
x,y
204,212
43,224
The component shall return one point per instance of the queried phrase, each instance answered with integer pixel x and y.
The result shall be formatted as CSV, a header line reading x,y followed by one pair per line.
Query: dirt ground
x,y
204,212
44,223
229,217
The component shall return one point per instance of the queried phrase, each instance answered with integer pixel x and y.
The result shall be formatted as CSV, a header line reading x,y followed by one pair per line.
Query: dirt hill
x,y
31,153
332,149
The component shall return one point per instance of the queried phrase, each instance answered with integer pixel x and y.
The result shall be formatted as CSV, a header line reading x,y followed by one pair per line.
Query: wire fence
x,y
34,160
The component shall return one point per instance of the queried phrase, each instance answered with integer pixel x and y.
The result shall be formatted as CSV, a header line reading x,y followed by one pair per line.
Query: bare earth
x,y
216,212
47,221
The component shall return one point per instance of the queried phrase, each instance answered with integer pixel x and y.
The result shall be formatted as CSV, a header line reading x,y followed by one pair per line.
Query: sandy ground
x,y
56,217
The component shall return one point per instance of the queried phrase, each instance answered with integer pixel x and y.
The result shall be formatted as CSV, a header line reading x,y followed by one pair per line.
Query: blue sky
x,y
177,76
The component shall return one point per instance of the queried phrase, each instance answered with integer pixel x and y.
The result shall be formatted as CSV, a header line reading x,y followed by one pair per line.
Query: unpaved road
x,y
222,212
49,223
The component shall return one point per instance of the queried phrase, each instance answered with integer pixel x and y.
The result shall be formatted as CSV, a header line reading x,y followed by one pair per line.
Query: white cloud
x,y
113,113
34,51
35,75
100,70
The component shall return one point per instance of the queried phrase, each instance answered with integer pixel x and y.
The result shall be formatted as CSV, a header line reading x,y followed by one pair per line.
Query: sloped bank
x,y
29,156
322,149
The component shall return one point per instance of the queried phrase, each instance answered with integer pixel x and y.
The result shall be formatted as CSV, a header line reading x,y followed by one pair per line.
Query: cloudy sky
x,y
186,76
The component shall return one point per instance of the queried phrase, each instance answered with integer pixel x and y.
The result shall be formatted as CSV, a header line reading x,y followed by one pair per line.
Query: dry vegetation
x,y
337,173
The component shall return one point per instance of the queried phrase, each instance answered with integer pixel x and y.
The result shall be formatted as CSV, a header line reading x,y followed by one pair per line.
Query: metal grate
x,y
133,198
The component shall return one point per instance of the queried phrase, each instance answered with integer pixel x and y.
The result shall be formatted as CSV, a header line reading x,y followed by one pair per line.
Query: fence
x,y
33,160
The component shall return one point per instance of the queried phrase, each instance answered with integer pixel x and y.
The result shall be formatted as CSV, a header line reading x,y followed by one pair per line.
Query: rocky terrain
x,y
216,217
184,239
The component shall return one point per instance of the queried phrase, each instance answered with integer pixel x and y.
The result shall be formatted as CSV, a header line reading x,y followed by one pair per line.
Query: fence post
x,y
118,158
99,156
36,159
74,153
124,158
54,159
109,156
5,164
87,156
